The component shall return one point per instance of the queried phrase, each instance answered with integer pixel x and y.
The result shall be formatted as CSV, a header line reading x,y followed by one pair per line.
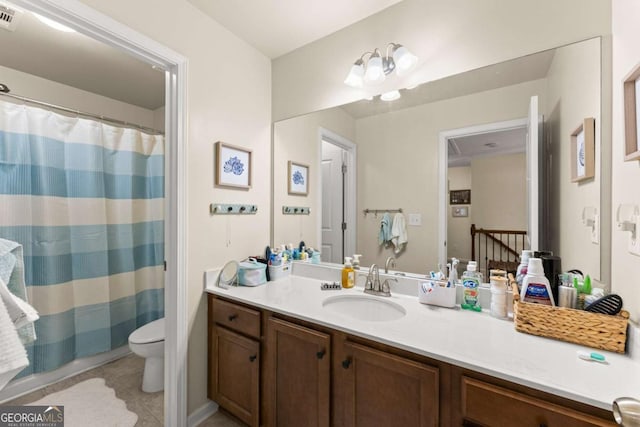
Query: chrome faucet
x,y
374,287
391,260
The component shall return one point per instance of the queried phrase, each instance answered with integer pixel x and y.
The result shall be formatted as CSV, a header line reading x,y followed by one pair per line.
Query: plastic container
x,y
521,271
498,297
252,273
279,271
436,292
348,274
471,282
535,286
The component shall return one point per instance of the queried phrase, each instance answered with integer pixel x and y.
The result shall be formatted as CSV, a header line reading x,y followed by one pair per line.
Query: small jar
x,y
498,297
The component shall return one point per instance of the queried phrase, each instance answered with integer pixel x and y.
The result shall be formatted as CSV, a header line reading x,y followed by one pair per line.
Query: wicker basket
x,y
595,330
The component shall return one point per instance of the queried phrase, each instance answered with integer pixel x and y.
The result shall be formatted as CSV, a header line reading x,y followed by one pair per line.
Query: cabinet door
x,y
486,404
299,369
235,374
383,389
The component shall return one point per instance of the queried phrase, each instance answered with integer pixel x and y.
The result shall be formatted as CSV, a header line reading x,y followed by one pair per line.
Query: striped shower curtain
x,y
85,199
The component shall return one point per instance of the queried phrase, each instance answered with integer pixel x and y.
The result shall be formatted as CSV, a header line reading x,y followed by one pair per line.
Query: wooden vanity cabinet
x,y
385,390
234,359
298,376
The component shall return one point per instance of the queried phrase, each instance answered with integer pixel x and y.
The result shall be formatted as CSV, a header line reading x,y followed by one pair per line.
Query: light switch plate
x,y
634,244
595,230
415,219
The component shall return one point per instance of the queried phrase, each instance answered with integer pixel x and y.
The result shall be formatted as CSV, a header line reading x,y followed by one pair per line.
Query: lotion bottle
x,y
535,286
348,274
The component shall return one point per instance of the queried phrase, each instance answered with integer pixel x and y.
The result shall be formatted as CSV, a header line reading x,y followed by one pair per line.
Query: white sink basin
x,y
363,307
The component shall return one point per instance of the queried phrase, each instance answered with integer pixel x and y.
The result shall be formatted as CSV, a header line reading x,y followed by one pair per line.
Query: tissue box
x,y
435,292
252,273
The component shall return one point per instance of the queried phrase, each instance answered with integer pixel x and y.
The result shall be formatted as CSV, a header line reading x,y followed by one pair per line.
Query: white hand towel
x,y
399,236
13,356
20,312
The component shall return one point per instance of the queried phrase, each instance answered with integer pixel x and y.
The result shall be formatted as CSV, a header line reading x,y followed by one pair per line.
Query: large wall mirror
x,y
466,134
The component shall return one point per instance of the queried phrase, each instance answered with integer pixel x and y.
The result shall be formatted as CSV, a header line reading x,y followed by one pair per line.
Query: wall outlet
x,y
415,219
595,230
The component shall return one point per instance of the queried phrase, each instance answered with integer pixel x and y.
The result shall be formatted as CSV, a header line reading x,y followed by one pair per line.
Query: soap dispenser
x,y
348,274
356,261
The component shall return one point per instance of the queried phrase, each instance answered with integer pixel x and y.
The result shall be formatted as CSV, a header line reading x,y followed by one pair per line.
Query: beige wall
x,y
626,175
298,139
398,165
458,228
35,87
499,192
228,100
449,37
573,69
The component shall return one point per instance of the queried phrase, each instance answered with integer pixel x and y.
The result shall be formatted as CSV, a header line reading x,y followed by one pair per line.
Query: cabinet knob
x,y
253,358
321,354
346,363
233,317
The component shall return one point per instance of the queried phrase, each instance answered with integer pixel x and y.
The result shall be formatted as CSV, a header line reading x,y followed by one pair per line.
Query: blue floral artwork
x,y
233,165
298,178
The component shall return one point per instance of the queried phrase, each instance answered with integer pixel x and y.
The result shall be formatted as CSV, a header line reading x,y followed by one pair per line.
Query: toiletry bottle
x,y
348,274
471,282
356,261
535,286
453,271
522,268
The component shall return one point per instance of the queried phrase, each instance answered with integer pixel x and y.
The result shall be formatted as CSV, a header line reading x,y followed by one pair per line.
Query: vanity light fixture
x,y
390,96
377,67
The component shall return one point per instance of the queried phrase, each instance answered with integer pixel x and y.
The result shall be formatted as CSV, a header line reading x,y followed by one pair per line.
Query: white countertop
x,y
464,338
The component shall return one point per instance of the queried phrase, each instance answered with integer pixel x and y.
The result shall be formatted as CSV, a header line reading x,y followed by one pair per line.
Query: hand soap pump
x,y
356,261
348,274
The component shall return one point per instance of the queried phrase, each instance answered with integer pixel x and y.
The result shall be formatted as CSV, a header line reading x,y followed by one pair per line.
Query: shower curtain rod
x,y
4,90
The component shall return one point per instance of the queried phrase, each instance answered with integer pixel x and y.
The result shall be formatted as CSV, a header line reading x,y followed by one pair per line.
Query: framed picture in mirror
x,y
460,197
631,118
232,166
583,151
298,179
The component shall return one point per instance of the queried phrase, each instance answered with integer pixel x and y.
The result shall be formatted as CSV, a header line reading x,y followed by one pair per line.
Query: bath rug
x,y
90,403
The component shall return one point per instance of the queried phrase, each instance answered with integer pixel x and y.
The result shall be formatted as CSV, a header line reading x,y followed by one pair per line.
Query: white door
x,y
534,136
333,216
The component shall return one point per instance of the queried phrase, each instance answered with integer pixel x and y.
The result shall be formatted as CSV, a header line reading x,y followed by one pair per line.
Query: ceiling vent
x,y
9,17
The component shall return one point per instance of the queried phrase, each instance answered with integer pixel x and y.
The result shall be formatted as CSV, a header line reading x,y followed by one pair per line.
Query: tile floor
x,y
125,377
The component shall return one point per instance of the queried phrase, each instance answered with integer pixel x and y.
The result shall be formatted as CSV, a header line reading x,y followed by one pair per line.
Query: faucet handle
x,y
386,288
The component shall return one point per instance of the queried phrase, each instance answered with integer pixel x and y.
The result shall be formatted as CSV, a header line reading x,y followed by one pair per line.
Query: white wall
x,y
398,165
228,100
626,175
458,228
44,90
298,140
449,37
568,104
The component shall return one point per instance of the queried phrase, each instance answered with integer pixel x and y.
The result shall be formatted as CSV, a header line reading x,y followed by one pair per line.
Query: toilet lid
x,y
149,333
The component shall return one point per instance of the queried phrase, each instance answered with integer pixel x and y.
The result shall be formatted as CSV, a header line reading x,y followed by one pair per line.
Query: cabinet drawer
x,y
486,404
236,317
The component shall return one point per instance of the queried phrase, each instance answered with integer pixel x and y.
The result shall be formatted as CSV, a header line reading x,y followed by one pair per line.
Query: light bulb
x,y
375,72
404,60
356,75
53,24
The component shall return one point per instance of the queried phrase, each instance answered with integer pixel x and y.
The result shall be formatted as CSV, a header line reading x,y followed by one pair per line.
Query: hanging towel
x,y
399,236
20,312
384,234
13,356
12,274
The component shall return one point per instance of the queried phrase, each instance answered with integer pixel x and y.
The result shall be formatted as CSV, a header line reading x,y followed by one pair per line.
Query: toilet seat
x,y
149,333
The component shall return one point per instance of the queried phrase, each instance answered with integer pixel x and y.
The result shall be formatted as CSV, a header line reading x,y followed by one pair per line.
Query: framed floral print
x,y
298,179
233,166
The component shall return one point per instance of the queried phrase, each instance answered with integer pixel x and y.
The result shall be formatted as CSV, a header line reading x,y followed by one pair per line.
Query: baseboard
x,y
202,413
26,385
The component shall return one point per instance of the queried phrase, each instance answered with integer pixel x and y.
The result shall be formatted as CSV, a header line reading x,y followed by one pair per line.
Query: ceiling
x,y
277,27
79,61
520,70
463,149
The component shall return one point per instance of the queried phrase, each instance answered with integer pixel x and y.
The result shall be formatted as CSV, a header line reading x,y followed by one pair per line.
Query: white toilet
x,y
148,342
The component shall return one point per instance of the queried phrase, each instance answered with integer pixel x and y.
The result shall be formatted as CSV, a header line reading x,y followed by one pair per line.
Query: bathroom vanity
x,y
279,356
